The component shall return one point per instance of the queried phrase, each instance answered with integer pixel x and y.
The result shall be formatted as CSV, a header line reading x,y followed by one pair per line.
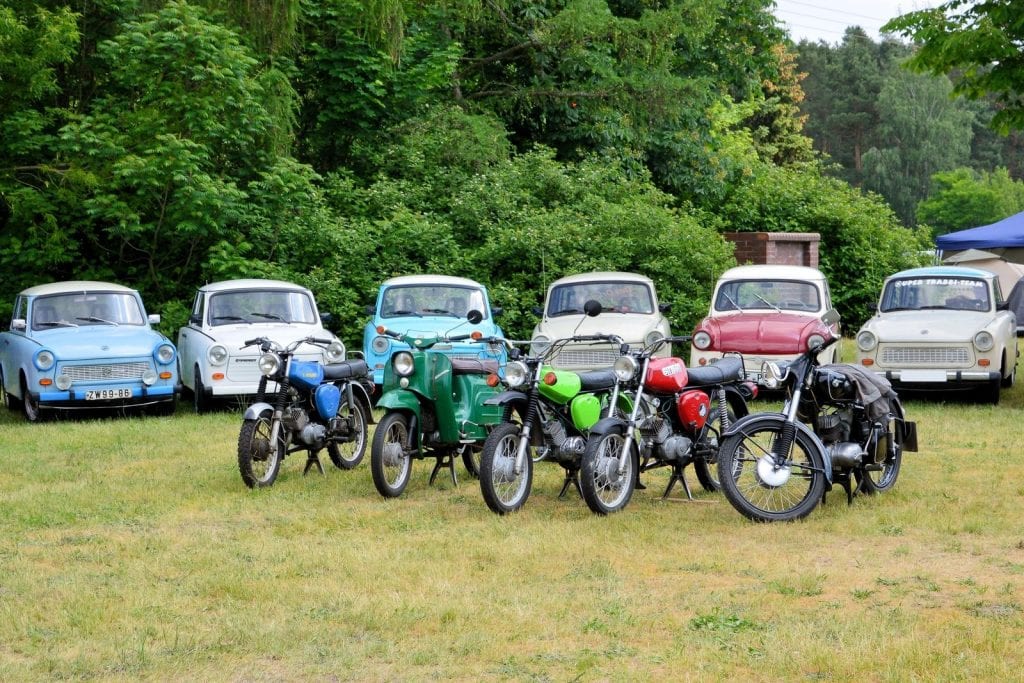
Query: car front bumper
x,y
75,398
937,379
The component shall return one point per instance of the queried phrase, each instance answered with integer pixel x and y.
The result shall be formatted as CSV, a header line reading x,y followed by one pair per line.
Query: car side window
x,y
198,307
19,309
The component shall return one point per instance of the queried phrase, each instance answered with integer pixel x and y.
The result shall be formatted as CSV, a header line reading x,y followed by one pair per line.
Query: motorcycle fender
x,y
762,420
737,401
608,425
361,395
506,398
401,400
253,411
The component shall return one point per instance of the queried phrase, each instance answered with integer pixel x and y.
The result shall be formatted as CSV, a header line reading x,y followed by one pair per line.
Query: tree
x,y
979,42
963,198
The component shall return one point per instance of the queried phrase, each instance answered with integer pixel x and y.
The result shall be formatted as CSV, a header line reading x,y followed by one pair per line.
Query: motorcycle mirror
x,y
592,307
830,317
474,316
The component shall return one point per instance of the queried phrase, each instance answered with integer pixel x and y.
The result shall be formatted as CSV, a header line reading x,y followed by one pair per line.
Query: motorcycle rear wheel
x,y
705,465
258,460
802,479
877,481
471,459
503,490
347,454
605,489
390,457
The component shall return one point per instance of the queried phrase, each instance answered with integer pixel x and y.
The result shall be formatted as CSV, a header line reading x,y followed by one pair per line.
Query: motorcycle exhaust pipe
x,y
845,454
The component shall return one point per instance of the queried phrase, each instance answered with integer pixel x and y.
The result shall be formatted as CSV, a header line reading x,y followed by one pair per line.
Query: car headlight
x,y
269,364
653,336
702,340
335,351
815,341
44,359
165,354
540,345
772,374
866,341
380,345
217,354
63,382
403,363
625,368
149,377
516,373
983,341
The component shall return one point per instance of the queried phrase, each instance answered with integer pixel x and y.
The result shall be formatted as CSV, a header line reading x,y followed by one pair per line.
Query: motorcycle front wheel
x,y
259,461
349,453
390,456
881,476
605,489
761,489
504,491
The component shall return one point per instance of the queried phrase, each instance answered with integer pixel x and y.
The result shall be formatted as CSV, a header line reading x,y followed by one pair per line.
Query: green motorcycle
x,y
435,408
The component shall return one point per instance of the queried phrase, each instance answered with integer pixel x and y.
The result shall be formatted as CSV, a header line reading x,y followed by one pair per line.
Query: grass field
x,y
130,549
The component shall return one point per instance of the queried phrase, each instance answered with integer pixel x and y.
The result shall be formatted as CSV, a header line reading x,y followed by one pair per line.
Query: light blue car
x,y
82,344
425,306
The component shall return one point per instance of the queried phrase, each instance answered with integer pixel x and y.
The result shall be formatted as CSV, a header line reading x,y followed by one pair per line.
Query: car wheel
x,y
1008,381
10,402
29,405
200,400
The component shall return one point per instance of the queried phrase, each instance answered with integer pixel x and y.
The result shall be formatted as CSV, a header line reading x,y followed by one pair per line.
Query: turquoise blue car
x,y
427,306
85,345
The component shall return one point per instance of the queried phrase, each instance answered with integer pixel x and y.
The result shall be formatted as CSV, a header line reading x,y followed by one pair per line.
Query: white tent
x,y
1008,272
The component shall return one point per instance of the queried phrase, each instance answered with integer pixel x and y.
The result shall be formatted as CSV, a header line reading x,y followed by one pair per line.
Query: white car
x,y
225,315
629,309
941,329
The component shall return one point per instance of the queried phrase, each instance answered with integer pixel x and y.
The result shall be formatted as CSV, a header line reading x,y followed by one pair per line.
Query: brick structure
x,y
776,248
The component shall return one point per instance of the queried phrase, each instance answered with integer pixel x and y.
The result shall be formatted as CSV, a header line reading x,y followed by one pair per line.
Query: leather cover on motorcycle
x,y
873,391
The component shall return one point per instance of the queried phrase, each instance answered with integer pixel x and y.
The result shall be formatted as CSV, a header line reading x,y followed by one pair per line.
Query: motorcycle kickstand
x,y
313,459
571,477
677,475
447,460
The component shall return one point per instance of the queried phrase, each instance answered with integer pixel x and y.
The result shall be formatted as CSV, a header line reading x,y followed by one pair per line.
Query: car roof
x,y
430,280
252,283
602,275
943,271
772,272
75,286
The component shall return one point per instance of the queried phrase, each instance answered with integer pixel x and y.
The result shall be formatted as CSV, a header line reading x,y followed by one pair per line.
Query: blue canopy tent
x,y
1004,238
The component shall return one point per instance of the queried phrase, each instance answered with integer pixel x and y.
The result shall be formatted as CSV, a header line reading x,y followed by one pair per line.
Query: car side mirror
x,y
153,318
537,310
370,310
326,318
592,307
830,317
195,319
474,316
664,308
19,325
1003,306
496,311
873,308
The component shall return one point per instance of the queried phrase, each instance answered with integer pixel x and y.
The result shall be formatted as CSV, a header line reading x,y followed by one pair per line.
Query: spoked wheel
x,y
503,489
471,459
605,488
760,487
390,456
882,475
348,451
259,461
706,462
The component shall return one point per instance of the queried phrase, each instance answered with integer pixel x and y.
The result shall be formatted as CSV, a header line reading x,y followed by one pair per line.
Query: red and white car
x,y
764,312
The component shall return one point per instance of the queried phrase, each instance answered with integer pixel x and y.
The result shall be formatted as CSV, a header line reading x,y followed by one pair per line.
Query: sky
x,y
827,19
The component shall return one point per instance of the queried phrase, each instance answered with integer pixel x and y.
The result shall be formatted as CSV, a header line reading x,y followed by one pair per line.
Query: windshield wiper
x,y
566,311
268,316
56,323
732,301
440,311
94,319
767,303
405,312
228,317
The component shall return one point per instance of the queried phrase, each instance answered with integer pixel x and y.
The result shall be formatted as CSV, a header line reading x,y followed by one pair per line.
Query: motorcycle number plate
x,y
923,376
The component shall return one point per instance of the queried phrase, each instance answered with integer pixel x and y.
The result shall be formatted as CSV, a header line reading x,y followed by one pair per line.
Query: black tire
x,y
347,454
471,459
390,455
29,406
259,461
200,401
801,486
1008,382
991,392
10,402
876,481
504,491
605,489
706,463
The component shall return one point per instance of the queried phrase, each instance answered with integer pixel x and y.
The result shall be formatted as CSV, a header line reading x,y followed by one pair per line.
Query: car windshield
x,y
614,297
86,308
948,293
255,306
781,295
431,300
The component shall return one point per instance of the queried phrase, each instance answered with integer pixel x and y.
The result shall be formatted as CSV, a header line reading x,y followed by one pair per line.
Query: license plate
x,y
106,394
923,376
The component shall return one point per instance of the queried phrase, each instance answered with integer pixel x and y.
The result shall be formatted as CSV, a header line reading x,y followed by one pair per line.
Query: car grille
x,y
105,371
931,356
585,359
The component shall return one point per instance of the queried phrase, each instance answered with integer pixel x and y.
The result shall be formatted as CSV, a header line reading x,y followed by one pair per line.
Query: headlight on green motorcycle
x,y
983,341
772,375
625,368
335,351
403,363
269,364
516,373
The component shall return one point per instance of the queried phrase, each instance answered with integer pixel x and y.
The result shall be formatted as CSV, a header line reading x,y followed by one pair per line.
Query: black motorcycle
x,y
311,407
840,424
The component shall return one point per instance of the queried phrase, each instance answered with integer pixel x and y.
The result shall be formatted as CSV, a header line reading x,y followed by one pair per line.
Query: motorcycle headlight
x,y
217,354
702,340
44,359
983,341
335,351
625,368
540,345
772,375
380,345
516,373
815,341
403,363
866,341
653,336
165,354
269,364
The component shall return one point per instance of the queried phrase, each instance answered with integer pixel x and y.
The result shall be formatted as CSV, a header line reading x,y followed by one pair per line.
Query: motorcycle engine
x,y
832,427
313,433
676,448
295,418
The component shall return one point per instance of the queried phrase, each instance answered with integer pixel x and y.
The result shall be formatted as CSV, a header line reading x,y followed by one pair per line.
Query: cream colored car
x,y
629,309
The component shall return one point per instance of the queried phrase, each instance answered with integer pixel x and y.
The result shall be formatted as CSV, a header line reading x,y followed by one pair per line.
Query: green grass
x,y
129,549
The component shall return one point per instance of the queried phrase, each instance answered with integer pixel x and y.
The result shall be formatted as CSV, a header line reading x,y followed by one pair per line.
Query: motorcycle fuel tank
x,y
559,385
666,375
306,374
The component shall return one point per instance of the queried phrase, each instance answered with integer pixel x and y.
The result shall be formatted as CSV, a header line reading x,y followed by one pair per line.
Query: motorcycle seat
x,y
474,366
727,369
346,369
595,380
